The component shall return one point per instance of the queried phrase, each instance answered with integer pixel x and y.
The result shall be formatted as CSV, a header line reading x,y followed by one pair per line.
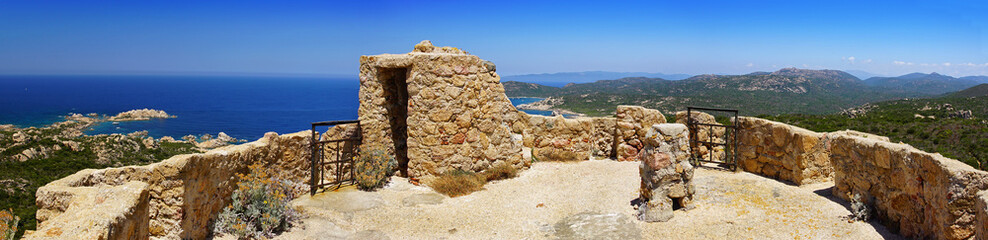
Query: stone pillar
x,y
665,172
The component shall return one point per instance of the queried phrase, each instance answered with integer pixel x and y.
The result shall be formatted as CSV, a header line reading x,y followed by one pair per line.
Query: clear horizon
x,y
319,38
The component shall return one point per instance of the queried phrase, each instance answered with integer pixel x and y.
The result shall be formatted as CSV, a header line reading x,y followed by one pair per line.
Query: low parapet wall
x,y
783,152
172,199
915,193
561,139
922,195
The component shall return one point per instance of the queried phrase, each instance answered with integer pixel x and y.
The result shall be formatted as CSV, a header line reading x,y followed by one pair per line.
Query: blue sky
x,y
327,37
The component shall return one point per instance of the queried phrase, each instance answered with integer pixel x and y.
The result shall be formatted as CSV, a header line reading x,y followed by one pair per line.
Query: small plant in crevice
x,y
259,206
8,224
373,168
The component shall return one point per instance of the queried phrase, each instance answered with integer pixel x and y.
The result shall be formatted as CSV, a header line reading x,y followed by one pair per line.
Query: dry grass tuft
x,y
457,182
499,172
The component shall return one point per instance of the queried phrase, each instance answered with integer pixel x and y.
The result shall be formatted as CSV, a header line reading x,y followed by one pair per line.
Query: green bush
x,y
373,168
8,224
259,207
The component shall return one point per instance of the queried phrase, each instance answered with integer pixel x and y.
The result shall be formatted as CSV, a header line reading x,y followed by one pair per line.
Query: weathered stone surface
x,y
783,152
981,222
456,110
422,198
100,212
342,201
184,192
922,195
633,122
666,174
590,225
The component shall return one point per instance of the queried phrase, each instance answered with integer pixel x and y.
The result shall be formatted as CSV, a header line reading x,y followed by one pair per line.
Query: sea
x,y
242,107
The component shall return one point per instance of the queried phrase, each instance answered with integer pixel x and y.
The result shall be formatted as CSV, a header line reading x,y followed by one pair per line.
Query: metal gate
x,y
729,140
343,160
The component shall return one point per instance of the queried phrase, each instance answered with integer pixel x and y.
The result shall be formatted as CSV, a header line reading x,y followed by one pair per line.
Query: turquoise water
x,y
520,101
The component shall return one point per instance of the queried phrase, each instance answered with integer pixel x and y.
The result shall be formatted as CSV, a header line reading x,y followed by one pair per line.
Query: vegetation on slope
x,y
785,91
932,125
61,150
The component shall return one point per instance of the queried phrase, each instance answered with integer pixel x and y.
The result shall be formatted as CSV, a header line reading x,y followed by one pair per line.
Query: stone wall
x,y
981,222
561,139
457,116
783,152
705,133
633,122
922,195
172,199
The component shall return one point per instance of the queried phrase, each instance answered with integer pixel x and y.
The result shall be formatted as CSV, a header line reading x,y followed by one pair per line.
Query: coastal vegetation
x,y
259,207
373,168
8,224
32,157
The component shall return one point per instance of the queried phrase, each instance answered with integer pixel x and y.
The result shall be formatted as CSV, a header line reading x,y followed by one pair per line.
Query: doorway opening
x,y
395,86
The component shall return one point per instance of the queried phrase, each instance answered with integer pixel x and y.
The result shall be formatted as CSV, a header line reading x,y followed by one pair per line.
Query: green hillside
x,y
788,90
976,91
950,131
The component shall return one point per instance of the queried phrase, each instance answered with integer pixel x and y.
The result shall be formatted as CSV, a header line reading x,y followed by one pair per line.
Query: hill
x,y
976,91
563,78
980,79
929,84
788,90
954,127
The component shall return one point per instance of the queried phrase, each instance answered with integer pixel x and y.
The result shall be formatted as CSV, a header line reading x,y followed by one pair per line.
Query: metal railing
x,y
342,161
730,138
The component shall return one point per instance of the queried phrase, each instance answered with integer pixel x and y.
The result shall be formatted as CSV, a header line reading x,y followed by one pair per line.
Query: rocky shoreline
x,y
23,144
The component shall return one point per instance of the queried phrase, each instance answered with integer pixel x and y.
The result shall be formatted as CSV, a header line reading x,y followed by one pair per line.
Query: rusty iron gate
x,y
729,140
342,161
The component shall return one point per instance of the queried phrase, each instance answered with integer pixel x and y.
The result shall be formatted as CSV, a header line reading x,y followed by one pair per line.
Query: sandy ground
x,y
535,204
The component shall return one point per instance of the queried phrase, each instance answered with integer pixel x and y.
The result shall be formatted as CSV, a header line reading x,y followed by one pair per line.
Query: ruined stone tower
x,y
436,109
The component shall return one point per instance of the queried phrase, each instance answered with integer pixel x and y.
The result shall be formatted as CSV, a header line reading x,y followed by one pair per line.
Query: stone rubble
x,y
666,173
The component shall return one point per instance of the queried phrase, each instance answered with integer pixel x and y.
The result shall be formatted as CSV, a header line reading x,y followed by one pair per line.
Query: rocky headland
x,y
140,115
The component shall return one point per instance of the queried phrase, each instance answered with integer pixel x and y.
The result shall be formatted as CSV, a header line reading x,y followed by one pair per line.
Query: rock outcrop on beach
x,y
140,115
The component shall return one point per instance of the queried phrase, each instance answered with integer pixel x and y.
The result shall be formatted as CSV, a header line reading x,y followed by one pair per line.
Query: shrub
x,y
8,224
373,168
259,207
458,182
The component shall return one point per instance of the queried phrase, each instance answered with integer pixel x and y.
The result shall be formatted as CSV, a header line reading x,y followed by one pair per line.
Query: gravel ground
x,y
559,200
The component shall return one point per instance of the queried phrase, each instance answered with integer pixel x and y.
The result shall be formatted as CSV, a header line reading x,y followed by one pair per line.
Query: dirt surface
x,y
589,199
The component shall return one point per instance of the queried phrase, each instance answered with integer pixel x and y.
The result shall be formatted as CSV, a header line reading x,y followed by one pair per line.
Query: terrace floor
x,y
577,200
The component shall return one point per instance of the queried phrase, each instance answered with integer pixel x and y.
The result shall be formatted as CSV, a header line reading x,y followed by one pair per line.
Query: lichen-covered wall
x,y
783,152
172,199
922,195
457,114
633,122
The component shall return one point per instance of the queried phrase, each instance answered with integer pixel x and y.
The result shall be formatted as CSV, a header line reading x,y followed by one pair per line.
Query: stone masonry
x,y
665,171
633,122
436,109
